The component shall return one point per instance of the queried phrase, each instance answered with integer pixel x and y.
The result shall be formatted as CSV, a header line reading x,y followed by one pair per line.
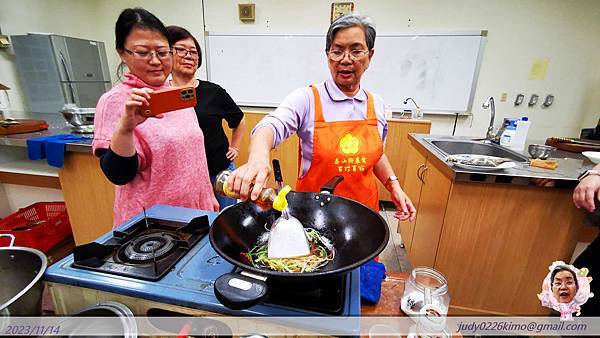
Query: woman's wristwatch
x,y
390,180
588,173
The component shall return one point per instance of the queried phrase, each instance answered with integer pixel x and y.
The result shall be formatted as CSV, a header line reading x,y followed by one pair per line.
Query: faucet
x,y
418,114
490,135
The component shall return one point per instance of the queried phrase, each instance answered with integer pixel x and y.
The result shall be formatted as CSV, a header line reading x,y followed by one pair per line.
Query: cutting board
x,y
573,145
24,126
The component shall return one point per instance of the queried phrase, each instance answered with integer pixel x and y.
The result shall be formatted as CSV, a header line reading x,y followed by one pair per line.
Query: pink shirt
x,y
296,115
172,162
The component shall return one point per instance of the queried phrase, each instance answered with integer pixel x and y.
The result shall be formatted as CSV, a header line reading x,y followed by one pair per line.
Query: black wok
x,y
357,232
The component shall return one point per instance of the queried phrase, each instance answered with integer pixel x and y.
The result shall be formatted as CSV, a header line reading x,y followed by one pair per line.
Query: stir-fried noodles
x,y
319,256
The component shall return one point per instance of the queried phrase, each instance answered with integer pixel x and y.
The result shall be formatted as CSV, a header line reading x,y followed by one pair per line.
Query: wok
x,y
357,232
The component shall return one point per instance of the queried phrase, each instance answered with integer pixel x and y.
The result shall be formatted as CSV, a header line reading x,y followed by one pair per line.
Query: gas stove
x,y
180,283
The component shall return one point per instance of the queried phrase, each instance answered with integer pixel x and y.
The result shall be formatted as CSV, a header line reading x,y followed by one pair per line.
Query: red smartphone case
x,y
169,99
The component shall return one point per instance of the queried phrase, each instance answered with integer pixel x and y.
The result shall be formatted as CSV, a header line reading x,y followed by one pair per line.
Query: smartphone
x,y
169,99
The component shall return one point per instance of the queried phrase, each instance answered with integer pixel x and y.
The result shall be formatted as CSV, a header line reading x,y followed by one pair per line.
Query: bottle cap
x,y
280,202
525,118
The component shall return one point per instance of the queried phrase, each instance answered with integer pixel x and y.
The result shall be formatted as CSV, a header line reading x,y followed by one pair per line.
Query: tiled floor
x,y
393,256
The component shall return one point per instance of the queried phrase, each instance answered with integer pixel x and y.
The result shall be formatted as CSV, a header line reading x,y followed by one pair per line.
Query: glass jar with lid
x,y
425,293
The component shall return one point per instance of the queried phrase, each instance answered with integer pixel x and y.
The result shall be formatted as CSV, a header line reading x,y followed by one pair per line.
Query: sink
x,y
451,147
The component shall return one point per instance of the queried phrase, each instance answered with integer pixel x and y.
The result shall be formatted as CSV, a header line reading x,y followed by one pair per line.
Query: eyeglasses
x,y
160,54
338,55
568,283
182,52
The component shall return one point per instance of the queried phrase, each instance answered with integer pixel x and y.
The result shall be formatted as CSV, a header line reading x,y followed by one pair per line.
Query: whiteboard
x,y
438,70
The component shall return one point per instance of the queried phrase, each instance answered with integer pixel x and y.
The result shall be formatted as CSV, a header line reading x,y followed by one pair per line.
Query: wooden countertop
x,y
392,289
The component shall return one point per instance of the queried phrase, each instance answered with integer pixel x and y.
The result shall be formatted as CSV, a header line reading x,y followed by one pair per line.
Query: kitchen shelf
x,y
27,167
31,173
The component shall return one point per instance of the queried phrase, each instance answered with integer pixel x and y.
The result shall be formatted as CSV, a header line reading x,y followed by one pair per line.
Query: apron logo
x,y
349,145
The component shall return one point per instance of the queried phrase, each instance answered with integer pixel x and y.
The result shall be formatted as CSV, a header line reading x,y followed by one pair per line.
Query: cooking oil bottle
x,y
268,198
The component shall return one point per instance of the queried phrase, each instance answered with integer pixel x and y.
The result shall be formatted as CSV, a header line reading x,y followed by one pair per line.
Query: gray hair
x,y
352,20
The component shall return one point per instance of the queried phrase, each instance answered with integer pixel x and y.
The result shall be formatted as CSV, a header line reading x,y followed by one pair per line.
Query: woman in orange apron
x,y
340,125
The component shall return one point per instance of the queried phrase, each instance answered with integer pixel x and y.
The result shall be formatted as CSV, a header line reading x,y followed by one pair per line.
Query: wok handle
x,y
331,184
239,292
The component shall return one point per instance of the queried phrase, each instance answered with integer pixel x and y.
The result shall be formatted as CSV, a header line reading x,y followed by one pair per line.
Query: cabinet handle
x,y
419,172
423,174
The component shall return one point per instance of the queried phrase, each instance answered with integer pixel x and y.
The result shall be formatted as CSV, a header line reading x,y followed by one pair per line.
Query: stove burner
x,y
149,247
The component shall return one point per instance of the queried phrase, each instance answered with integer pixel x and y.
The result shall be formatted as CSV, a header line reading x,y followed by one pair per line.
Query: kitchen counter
x,y
570,165
392,289
505,227
57,125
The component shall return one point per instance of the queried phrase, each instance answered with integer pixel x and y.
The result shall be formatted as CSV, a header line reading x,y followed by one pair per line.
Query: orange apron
x,y
347,148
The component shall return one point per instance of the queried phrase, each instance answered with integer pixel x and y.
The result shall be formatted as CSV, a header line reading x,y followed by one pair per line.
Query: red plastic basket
x,y
41,225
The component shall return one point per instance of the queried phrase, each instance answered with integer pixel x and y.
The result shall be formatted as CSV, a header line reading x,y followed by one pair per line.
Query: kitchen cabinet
x,y
89,196
492,241
428,188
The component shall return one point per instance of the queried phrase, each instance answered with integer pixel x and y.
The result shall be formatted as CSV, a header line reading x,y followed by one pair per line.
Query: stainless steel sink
x,y
451,147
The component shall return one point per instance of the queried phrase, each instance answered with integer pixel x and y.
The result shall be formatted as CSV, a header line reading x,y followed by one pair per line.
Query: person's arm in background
x,y
237,134
235,120
383,170
587,192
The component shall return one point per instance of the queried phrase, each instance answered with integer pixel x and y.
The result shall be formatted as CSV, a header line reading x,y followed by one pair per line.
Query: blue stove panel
x,y
190,283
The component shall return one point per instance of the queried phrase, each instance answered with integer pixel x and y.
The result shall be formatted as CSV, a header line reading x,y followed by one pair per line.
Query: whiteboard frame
x,y
482,43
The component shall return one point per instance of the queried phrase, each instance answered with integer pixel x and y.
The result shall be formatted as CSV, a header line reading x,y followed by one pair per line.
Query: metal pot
x,y
357,232
78,117
21,270
128,328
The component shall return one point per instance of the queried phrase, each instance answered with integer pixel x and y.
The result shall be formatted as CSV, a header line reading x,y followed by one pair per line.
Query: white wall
x,y
519,31
566,32
68,17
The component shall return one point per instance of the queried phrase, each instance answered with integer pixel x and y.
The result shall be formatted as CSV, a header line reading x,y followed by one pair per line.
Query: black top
x,y
214,105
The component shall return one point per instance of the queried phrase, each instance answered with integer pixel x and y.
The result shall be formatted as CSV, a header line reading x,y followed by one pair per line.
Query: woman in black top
x,y
214,105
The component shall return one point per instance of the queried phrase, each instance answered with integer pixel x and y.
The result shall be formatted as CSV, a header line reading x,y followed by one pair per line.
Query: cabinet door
x,y
397,147
430,216
412,187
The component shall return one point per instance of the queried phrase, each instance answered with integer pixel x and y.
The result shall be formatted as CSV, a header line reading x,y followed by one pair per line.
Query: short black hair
x,y
177,33
131,18
563,268
138,17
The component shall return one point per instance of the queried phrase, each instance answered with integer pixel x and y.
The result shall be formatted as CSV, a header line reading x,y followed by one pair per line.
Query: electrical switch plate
x,y
503,97
533,100
548,101
519,99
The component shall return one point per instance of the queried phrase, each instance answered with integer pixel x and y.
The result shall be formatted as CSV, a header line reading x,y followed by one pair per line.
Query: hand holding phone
x,y
169,99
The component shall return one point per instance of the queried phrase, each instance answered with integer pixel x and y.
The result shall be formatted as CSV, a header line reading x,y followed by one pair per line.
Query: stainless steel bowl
x,y
540,151
78,117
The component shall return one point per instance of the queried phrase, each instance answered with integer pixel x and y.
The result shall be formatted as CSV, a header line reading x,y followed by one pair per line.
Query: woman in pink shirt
x,y
151,160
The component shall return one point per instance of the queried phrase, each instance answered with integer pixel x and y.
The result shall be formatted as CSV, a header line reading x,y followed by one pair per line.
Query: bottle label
x,y
226,190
